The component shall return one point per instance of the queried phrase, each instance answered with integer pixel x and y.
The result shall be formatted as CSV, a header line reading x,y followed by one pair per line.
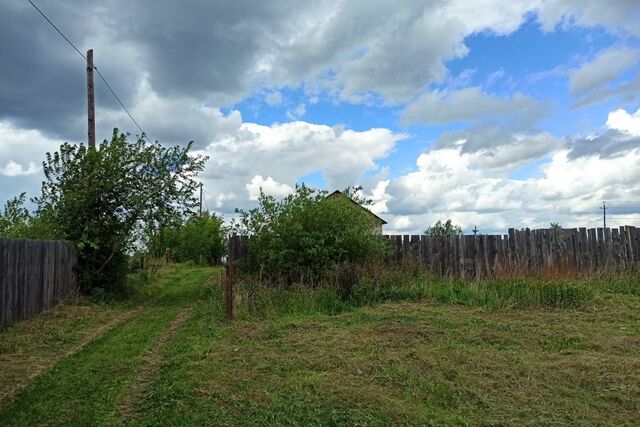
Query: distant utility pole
x,y
200,199
91,102
475,230
604,214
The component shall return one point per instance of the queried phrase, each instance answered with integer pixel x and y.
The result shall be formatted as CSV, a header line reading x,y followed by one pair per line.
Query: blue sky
x,y
495,114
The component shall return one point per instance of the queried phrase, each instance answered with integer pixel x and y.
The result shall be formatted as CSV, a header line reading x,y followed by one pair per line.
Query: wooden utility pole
x,y
91,102
200,199
475,230
604,214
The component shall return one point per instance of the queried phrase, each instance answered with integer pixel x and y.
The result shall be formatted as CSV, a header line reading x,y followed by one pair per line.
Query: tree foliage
x,y
103,200
446,228
306,235
201,239
18,223
14,218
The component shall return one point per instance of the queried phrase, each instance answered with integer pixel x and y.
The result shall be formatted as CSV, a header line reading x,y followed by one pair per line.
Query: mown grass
x,y
401,348
85,388
406,363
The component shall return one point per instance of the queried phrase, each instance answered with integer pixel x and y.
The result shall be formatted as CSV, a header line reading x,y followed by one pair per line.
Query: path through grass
x,y
86,388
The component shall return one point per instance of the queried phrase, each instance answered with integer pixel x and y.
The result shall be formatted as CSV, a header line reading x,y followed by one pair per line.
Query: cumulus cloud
x,y
15,169
500,149
622,136
622,121
472,104
285,152
453,182
268,186
619,16
215,54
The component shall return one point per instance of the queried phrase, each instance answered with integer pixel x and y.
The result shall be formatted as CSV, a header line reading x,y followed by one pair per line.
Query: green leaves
x,y
307,235
201,239
104,200
443,229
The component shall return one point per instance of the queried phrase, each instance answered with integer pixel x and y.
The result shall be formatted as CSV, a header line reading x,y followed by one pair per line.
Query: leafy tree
x,y
17,222
103,200
199,239
443,229
14,219
555,226
307,235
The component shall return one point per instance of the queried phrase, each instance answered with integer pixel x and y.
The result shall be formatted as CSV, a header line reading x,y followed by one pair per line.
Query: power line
x,y
58,30
144,134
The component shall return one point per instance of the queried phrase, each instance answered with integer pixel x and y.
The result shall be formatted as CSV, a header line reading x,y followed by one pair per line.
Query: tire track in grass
x,y
85,388
41,369
149,368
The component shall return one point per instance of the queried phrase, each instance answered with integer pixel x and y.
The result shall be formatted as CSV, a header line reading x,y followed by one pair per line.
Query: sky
x,y
492,113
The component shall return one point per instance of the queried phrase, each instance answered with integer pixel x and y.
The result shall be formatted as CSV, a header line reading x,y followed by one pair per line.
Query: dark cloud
x,y
607,144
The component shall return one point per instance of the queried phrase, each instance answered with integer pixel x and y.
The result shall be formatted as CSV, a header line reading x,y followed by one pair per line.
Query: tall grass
x,y
362,286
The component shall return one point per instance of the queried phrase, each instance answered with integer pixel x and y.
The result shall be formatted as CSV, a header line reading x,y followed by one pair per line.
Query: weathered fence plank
x,y
34,276
520,251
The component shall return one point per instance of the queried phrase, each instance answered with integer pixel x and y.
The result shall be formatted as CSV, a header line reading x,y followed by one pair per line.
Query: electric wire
x,y
104,80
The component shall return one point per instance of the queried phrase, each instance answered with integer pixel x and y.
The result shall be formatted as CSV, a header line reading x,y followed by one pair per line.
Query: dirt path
x,y
150,366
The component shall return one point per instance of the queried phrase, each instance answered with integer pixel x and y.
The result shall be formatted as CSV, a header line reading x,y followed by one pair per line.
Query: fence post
x,y
229,282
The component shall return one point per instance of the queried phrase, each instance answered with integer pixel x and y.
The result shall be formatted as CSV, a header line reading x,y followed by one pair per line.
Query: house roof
x,y
339,193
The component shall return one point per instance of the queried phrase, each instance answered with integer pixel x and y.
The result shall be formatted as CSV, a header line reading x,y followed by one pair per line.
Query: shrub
x,y
306,235
201,239
446,228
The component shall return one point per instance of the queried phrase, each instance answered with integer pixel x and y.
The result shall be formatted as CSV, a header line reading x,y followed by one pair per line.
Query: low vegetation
x,y
306,236
200,239
405,348
446,228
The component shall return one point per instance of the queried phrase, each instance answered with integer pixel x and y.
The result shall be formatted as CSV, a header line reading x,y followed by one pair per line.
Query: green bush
x,y
201,239
306,236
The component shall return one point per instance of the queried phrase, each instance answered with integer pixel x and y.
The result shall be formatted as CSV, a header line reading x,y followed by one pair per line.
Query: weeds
x,y
356,286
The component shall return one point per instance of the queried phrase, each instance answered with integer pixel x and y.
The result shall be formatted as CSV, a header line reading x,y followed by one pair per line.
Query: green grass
x,y
84,389
403,349
404,363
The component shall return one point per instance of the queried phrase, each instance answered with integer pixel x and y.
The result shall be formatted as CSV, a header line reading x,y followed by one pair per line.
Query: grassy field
x,y
447,353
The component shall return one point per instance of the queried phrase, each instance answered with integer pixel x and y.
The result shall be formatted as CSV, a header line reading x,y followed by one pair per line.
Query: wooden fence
x,y
34,276
520,251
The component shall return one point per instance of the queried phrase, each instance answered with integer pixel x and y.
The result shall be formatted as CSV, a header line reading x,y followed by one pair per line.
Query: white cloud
x,y
285,152
592,81
171,119
273,98
617,16
450,182
297,112
268,186
625,122
15,169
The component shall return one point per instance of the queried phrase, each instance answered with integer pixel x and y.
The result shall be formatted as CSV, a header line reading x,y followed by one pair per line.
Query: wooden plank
x,y
608,249
623,247
616,250
414,244
592,247
601,256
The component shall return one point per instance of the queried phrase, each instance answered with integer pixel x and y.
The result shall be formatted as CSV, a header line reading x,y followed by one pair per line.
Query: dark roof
x,y
339,193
